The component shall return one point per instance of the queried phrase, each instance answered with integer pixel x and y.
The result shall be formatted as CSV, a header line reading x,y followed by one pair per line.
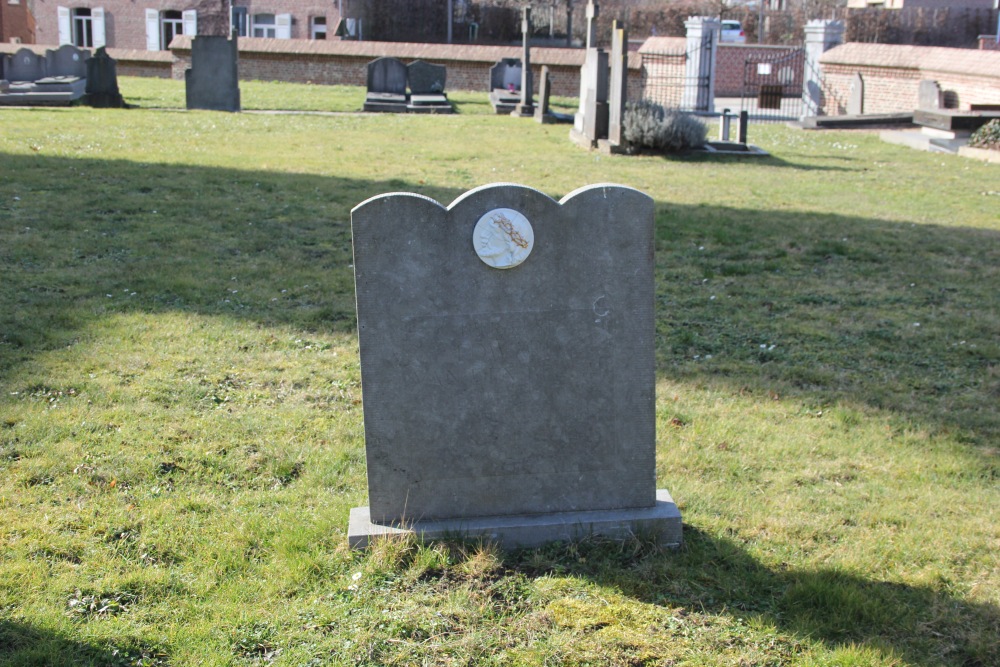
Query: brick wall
x,y
892,75
16,23
989,43
342,62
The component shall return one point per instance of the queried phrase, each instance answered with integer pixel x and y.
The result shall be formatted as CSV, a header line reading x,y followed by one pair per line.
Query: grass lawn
x,y
181,430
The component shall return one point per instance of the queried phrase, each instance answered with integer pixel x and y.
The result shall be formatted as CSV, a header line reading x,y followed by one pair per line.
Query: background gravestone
x,y
386,86
505,85
929,95
212,81
66,61
25,65
515,403
426,82
856,100
102,81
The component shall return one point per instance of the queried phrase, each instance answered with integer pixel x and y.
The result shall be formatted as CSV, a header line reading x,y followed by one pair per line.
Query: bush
x,y
649,125
988,136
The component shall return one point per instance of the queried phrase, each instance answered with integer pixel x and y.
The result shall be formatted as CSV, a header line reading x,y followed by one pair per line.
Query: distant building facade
x,y
17,24
923,4
152,24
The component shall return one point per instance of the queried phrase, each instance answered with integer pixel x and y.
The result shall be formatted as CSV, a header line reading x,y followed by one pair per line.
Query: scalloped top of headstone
x,y
67,60
25,65
519,385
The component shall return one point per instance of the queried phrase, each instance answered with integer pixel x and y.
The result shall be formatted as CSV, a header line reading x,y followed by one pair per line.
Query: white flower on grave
x,y
916,324
356,576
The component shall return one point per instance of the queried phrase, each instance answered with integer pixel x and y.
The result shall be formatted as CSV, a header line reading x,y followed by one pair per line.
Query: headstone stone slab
x,y
929,95
426,78
67,60
503,393
506,72
212,82
102,81
387,75
25,65
856,99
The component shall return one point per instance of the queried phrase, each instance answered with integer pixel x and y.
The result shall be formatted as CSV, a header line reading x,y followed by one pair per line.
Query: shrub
x,y
649,125
987,136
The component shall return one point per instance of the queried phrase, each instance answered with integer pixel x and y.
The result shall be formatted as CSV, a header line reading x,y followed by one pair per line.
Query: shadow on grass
x,y
716,576
828,307
25,646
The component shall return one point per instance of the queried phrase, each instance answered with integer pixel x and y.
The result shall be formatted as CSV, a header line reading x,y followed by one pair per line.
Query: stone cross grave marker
x,y
507,366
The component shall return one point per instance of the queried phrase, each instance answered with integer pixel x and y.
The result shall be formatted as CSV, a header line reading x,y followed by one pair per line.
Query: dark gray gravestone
x,y
856,98
929,95
426,78
544,93
427,83
507,366
386,85
25,65
102,81
66,61
213,82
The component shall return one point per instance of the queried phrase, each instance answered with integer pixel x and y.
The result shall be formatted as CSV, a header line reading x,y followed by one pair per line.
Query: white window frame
x,y
317,26
170,27
66,19
266,24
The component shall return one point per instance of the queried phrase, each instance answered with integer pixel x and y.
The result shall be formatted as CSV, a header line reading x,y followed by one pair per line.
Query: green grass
x,y
181,432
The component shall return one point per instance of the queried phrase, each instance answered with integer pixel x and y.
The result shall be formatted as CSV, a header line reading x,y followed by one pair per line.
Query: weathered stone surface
x,y
102,81
426,78
24,66
67,60
212,82
506,392
929,95
856,100
506,73
388,76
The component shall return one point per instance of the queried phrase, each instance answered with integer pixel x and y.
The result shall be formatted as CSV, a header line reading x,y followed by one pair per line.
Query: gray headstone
x,y
25,65
102,81
213,81
856,97
618,86
425,78
506,72
67,60
387,76
929,95
497,398
544,93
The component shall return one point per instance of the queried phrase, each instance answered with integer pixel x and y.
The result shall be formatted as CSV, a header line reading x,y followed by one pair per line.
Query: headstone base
x,y
661,522
581,139
608,147
523,111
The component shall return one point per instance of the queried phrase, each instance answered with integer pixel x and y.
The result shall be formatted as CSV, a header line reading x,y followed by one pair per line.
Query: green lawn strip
x,y
181,432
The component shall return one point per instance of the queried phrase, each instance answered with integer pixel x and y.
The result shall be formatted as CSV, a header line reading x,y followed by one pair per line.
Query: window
x,y
171,25
264,26
162,27
239,21
317,27
81,26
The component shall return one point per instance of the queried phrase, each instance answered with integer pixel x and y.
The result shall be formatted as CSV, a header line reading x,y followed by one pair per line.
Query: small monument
x,y
386,86
212,82
505,85
507,366
102,82
526,107
426,82
591,121
930,95
616,143
856,97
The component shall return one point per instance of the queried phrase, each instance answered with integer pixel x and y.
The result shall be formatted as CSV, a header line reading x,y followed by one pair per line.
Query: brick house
x,y
152,24
17,25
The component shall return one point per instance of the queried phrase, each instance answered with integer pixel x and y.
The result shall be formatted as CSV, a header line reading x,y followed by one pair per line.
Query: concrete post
x,y
593,11
527,106
699,73
821,36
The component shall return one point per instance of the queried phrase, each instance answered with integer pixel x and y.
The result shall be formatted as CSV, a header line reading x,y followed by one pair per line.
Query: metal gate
x,y
772,85
680,79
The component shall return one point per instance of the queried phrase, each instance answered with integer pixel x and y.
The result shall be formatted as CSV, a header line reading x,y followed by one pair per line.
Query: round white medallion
x,y
503,238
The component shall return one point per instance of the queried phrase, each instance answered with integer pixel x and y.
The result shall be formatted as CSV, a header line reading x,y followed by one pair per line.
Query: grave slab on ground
x,y
507,366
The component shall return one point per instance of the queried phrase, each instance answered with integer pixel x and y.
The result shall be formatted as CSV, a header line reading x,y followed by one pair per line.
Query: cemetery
x,y
304,385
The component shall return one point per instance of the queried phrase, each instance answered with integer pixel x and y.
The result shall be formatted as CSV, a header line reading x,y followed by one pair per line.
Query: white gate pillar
x,y
699,71
821,36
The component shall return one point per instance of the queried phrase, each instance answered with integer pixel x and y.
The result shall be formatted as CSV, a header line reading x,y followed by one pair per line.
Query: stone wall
x,y
892,75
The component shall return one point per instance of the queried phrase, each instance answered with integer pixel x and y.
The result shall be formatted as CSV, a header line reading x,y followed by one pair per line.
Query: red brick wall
x,y
892,75
989,43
